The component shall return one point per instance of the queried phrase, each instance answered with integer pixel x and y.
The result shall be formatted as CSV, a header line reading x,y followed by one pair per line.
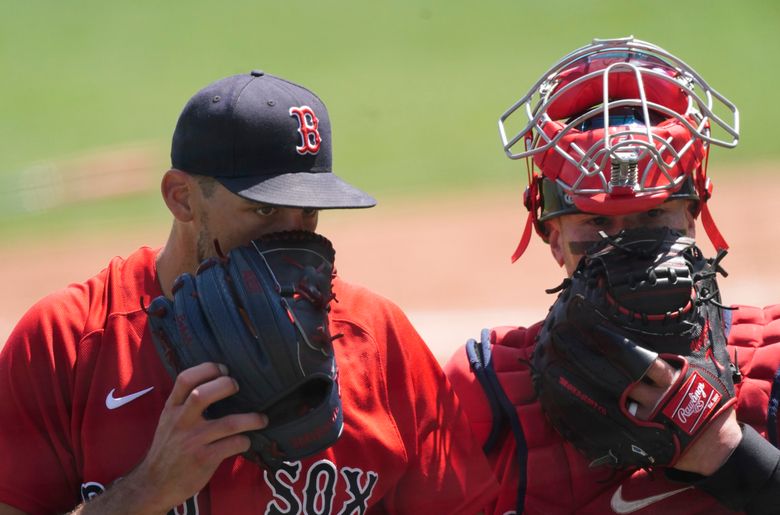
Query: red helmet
x,y
616,127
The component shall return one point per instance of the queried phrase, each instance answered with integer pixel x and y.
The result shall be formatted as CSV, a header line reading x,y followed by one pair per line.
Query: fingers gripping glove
x,y
262,310
634,297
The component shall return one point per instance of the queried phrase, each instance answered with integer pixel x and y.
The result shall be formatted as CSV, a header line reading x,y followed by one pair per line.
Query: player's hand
x,y
187,448
714,445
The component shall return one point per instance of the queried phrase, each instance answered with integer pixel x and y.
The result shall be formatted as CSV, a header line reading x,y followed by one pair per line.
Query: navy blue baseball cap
x,y
266,139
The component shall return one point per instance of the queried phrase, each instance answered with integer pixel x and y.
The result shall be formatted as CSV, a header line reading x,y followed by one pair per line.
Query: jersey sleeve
x,y
38,469
448,472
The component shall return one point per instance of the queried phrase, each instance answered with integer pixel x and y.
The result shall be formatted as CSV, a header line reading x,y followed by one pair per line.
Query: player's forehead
x,y
248,203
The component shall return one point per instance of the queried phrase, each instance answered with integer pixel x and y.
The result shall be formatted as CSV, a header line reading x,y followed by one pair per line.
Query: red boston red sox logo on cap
x,y
308,129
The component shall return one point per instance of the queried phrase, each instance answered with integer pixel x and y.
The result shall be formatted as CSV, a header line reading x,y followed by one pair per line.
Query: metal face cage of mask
x,y
617,126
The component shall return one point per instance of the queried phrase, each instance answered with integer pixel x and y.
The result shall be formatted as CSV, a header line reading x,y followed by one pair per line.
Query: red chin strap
x,y
712,230
704,188
524,239
532,201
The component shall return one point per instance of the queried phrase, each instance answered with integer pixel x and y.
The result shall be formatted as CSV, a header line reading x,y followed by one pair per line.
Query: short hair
x,y
207,184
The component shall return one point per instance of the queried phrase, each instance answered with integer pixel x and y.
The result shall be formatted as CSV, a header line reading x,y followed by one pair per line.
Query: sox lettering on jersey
x,y
319,489
316,496
360,493
308,128
188,507
92,489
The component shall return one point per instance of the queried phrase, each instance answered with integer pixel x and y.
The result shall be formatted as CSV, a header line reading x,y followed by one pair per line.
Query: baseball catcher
x,y
631,369
636,296
262,310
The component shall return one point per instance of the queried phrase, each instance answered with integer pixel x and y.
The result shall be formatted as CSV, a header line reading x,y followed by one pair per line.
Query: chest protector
x,y
550,476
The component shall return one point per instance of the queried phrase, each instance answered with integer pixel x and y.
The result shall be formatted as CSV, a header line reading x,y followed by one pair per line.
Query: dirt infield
x,y
444,260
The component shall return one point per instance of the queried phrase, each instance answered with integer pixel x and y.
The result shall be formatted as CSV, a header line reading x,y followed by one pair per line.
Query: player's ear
x,y
177,189
555,241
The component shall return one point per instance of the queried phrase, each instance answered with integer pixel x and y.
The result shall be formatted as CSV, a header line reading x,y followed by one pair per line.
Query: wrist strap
x,y
748,481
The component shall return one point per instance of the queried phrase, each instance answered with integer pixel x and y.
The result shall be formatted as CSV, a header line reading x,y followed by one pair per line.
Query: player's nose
x,y
626,222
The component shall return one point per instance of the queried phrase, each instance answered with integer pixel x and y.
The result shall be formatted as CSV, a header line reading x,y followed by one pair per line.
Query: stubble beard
x,y
205,243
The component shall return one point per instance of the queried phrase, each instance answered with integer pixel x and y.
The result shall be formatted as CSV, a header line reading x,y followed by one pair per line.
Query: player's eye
x,y
600,221
265,210
310,211
655,213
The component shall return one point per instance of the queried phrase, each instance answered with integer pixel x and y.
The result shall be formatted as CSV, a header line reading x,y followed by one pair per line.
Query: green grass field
x,y
414,87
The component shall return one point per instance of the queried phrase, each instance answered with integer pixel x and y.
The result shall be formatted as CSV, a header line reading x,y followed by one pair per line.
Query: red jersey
x,y
551,476
82,388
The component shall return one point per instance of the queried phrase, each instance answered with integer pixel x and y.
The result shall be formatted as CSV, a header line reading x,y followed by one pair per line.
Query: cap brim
x,y
316,190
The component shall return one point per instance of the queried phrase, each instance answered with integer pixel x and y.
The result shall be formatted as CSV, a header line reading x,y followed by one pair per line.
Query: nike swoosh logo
x,y
117,402
620,505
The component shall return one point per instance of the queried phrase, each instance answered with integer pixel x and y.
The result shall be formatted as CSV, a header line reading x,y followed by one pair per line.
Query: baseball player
x,y
616,137
91,420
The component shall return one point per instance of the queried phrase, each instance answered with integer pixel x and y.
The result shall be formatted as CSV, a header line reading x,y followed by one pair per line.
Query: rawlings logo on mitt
x,y
637,296
262,310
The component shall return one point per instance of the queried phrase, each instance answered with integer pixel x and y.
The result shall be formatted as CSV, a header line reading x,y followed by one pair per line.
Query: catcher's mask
x,y
616,127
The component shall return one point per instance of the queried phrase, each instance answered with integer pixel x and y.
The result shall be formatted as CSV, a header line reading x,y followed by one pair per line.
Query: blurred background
x,y
91,91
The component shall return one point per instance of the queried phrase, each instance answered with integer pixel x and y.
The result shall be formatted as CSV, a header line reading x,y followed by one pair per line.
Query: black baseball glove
x,y
262,310
641,294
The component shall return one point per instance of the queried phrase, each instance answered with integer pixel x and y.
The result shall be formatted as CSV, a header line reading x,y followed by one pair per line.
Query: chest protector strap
x,y
772,408
504,412
771,414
